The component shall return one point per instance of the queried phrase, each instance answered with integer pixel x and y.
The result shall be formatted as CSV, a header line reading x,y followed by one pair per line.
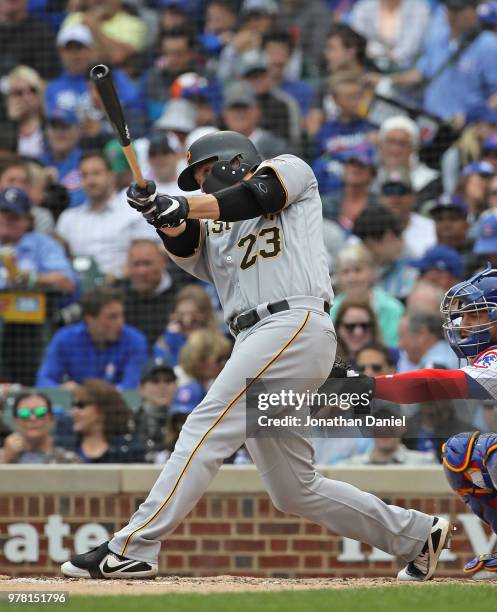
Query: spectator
x,y
345,51
25,41
5,431
453,91
279,112
356,280
102,227
397,195
16,173
450,214
421,337
176,56
39,259
201,359
257,18
220,19
173,14
489,150
346,203
101,346
430,427
163,160
473,186
25,90
151,421
101,422
119,36
71,90
192,310
399,144
356,327
380,232
425,297
348,129
49,197
388,448
63,153
32,441
440,265
242,113
177,121
485,247
491,196
206,97
375,360
149,290
395,30
311,20
178,414
278,48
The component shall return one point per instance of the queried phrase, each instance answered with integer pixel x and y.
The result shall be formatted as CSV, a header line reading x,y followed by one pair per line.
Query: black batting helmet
x,y
234,154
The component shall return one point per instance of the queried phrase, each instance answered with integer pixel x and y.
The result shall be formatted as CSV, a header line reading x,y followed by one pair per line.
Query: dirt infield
x,y
217,584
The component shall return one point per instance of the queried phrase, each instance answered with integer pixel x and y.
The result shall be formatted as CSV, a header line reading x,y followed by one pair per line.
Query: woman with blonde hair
x,y
192,310
25,108
356,279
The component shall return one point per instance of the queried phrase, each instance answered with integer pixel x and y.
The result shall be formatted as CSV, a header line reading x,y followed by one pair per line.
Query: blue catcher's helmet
x,y
477,295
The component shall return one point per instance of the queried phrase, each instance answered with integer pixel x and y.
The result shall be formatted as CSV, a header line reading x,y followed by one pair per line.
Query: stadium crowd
x,y
392,102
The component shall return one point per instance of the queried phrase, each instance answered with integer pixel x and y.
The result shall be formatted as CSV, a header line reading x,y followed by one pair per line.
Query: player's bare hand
x,y
12,447
168,212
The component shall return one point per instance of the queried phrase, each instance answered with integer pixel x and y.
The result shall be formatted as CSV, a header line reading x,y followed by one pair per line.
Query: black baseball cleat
x,y
101,562
424,565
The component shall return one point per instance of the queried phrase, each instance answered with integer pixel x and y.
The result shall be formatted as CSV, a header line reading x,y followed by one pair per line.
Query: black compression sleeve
x,y
186,243
249,199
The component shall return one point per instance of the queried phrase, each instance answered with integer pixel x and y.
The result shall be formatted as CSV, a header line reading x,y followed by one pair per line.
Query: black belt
x,y
251,317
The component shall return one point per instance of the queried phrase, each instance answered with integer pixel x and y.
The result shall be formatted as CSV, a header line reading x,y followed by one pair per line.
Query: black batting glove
x,y
142,199
168,211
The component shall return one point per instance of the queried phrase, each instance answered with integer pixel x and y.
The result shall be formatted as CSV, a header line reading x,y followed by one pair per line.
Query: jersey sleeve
x,y
294,174
196,264
483,371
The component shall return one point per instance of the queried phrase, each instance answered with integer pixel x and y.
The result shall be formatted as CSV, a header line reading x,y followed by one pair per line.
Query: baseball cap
x,y
252,62
78,32
154,365
160,143
486,240
15,200
448,201
179,5
364,154
396,176
239,94
178,116
483,168
261,7
440,257
61,116
490,143
487,13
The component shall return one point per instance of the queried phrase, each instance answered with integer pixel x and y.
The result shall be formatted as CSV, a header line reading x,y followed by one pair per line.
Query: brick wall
x,y
225,534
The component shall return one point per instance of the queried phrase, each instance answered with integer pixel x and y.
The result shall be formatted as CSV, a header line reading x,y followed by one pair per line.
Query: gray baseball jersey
x,y
253,262
271,257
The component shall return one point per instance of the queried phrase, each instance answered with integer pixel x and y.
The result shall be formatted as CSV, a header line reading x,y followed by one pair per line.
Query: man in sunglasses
x,y
32,442
397,195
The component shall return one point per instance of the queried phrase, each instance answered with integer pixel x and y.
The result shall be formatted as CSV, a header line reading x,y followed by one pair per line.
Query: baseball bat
x,y
102,77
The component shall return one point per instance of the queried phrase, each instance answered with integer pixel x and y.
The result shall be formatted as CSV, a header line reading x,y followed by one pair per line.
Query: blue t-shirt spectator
x,y
466,83
73,355
169,345
40,253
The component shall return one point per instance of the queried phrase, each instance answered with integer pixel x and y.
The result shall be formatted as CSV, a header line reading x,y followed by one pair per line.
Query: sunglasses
x,y
26,413
395,189
375,367
365,326
18,93
80,404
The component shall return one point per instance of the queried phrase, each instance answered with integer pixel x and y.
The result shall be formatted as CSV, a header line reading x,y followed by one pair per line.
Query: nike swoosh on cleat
x,y
110,569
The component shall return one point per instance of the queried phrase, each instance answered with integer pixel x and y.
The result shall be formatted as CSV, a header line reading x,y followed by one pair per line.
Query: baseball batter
x,y
256,234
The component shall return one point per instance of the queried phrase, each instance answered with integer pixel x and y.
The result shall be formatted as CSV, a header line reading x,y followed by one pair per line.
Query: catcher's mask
x,y
477,295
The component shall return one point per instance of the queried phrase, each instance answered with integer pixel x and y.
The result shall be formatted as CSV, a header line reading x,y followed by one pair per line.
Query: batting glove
x,y
168,211
142,199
